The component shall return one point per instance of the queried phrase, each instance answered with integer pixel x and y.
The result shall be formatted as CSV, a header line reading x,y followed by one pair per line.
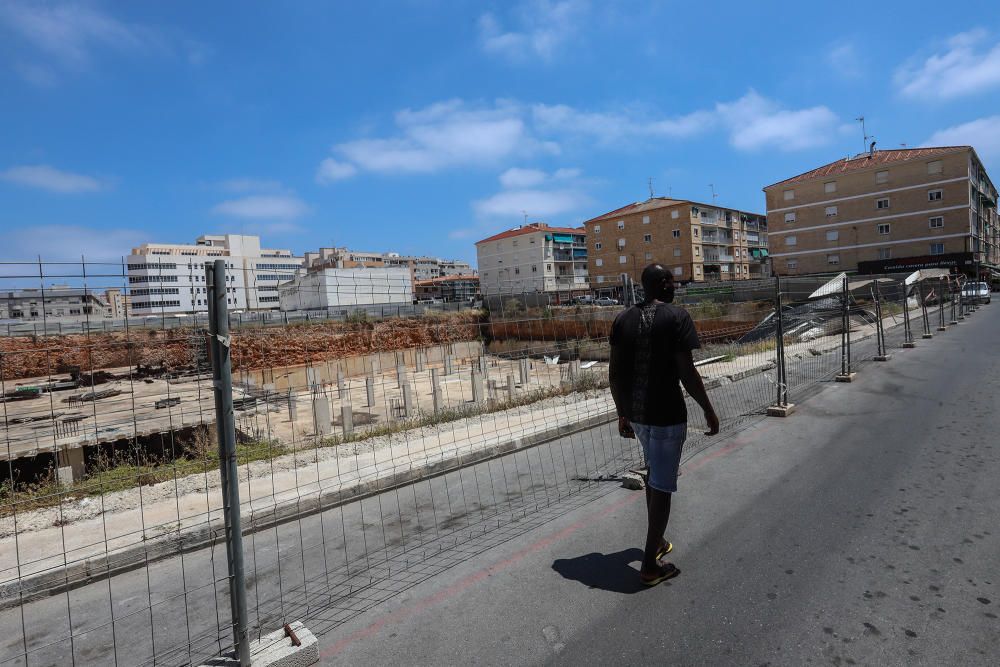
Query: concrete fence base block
x,y
909,346
846,377
780,410
883,357
942,328
927,336
277,650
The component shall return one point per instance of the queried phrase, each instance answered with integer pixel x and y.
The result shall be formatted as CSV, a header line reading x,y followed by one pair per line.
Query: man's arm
x,y
691,379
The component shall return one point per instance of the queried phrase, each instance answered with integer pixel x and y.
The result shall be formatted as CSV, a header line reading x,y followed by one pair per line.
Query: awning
x,y
835,286
926,274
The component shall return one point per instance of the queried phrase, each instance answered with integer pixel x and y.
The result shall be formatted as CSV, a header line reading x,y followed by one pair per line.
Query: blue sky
x,y
421,126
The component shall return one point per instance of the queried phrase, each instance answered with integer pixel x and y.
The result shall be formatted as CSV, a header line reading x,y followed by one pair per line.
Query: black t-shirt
x,y
644,378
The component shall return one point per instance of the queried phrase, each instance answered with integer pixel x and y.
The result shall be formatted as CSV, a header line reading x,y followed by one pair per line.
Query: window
x,y
791,264
534,268
677,252
697,270
883,228
934,195
678,271
621,243
621,224
937,222
736,236
675,214
598,262
881,177
600,279
622,259
598,245
830,211
937,248
833,259
790,240
649,255
548,267
832,235
697,251
597,229
647,238
517,270
694,232
882,203
790,217
934,167
514,243
885,253
789,195
645,219
677,233
830,186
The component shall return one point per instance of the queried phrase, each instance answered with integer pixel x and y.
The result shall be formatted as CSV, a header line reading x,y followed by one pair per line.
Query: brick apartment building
x,y
698,242
886,210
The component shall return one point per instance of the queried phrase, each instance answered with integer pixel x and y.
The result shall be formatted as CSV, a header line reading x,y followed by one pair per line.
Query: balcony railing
x,y
716,259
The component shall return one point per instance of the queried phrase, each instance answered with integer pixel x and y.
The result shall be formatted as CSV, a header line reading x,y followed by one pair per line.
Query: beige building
x,y
420,267
886,210
697,242
533,258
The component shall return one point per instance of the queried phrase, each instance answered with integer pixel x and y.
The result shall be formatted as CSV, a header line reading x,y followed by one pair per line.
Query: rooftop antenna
x,y
714,196
864,133
525,218
650,187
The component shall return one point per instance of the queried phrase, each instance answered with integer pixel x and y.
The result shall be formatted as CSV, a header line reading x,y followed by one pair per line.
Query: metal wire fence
x,y
366,454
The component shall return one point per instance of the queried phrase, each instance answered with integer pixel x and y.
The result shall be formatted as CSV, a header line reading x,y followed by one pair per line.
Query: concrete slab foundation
x,y
781,410
277,650
909,346
848,377
927,336
883,357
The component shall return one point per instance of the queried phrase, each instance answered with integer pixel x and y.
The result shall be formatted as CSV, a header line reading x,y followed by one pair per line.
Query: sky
x,y
422,126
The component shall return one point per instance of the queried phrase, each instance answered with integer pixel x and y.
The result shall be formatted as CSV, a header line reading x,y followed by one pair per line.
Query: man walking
x,y
651,346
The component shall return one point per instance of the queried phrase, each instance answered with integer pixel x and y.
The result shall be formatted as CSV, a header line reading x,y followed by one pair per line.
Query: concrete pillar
x,y
341,384
293,412
400,375
321,414
522,368
510,387
436,390
347,417
449,364
69,464
483,365
421,361
370,391
311,378
408,400
478,393
376,365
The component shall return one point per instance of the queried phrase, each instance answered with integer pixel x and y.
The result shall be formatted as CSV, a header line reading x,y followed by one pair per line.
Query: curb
x,y
97,568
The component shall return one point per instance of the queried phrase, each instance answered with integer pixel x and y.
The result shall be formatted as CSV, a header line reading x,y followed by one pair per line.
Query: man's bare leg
x,y
658,513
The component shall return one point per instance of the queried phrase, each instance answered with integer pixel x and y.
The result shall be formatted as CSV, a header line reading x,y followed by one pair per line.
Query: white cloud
x,y
844,60
68,34
756,122
64,243
44,177
522,178
536,203
982,134
331,170
273,207
962,69
612,127
444,135
543,28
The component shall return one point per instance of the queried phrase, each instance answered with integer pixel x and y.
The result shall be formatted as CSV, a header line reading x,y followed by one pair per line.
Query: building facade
x,y
886,210
338,288
170,279
448,289
55,303
420,267
534,258
697,242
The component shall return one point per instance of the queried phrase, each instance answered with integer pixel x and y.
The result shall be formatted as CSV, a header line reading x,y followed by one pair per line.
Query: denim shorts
x,y
662,445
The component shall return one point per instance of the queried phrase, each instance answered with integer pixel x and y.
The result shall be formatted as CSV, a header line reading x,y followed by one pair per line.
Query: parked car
x,y
584,300
606,301
976,292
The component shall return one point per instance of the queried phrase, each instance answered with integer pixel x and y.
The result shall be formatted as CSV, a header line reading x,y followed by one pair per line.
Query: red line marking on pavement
x,y
462,584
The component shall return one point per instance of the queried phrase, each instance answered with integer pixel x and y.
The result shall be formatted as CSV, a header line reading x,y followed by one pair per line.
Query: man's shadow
x,y
607,572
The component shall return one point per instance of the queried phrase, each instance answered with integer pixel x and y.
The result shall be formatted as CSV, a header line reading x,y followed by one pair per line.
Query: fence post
x,y
222,385
940,293
961,301
880,330
907,327
781,407
923,312
846,375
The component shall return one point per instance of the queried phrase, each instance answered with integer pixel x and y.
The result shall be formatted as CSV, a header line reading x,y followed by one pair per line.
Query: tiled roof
x,y
531,229
864,161
657,203
445,279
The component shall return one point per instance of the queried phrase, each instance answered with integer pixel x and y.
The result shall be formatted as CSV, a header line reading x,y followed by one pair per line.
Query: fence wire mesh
x,y
375,447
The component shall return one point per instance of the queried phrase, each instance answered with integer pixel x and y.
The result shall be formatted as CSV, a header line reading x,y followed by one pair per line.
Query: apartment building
x,y
533,258
56,303
337,288
697,242
448,288
342,258
166,278
886,210
420,267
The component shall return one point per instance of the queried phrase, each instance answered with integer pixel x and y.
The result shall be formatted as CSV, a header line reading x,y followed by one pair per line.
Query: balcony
x,y
717,259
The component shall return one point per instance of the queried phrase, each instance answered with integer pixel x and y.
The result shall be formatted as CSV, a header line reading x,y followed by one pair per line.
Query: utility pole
x,y
650,187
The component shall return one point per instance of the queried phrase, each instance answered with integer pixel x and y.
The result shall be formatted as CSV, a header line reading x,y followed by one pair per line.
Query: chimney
x,y
871,150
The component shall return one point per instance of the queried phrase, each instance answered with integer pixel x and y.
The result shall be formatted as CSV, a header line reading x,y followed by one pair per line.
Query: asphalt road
x,y
861,530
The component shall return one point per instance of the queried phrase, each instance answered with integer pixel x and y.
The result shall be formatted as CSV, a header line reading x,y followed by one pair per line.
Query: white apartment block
x,y
337,288
166,278
533,258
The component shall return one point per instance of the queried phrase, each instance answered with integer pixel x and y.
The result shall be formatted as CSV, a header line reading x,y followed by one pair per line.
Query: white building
x,y
533,258
167,278
339,288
